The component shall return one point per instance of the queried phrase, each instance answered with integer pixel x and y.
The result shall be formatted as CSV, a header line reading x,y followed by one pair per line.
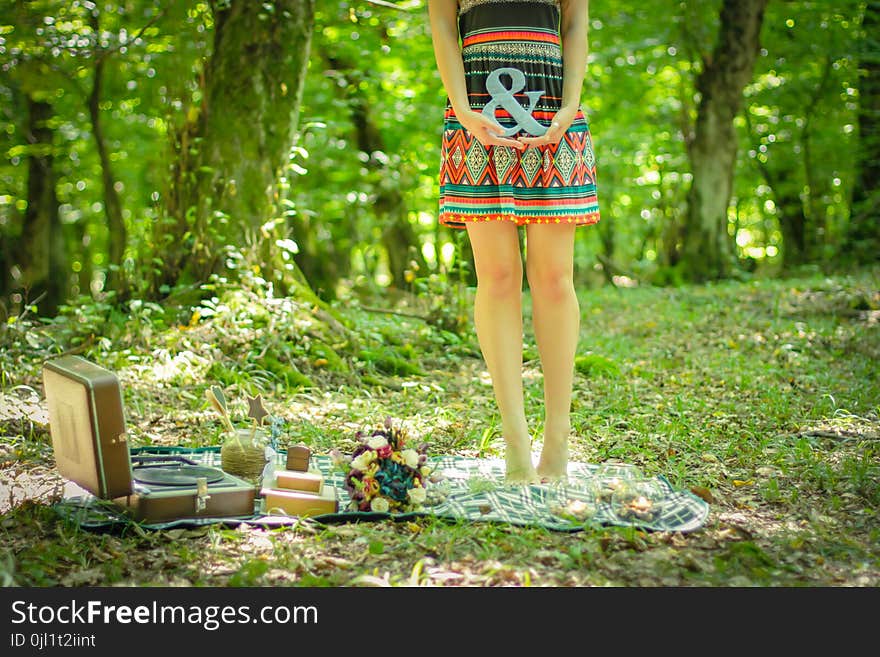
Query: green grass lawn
x,y
760,396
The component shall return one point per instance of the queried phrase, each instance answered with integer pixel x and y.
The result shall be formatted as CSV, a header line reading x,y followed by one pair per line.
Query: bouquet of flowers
x,y
383,473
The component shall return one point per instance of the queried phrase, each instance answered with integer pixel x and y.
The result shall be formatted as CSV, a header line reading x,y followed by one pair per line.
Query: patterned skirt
x,y
511,52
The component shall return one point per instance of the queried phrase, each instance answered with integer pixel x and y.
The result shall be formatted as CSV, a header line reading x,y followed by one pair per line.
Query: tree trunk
x,y
818,187
863,235
398,237
116,231
792,223
83,249
230,150
789,208
708,249
10,218
42,258
317,258
607,240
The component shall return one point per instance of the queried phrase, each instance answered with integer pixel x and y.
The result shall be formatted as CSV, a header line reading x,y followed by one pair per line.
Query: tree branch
x,y
106,52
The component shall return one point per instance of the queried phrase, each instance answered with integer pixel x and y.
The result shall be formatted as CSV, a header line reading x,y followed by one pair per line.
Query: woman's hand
x,y
561,122
487,131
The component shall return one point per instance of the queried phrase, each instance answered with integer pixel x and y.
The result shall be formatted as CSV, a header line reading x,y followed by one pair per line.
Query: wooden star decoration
x,y
256,410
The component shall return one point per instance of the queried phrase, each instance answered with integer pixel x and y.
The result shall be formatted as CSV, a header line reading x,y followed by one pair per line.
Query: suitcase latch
x,y
202,496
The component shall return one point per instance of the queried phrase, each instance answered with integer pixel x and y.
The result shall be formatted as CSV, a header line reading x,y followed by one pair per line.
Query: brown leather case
x,y
87,425
232,497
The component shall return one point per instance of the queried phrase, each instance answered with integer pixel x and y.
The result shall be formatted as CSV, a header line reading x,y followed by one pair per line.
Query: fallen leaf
x,y
444,575
734,533
338,562
82,577
703,493
370,580
741,482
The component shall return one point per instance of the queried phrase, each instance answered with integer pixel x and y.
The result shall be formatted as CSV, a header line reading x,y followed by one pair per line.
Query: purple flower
x,y
360,449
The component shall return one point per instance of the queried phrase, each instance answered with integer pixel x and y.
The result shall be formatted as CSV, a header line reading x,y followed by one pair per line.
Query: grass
x,y
762,394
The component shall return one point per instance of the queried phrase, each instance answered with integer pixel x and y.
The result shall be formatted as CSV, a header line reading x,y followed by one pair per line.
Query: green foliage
x,y
749,557
250,573
797,134
51,48
372,80
596,365
388,361
763,393
286,373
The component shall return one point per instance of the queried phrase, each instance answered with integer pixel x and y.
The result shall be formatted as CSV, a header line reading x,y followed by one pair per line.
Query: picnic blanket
x,y
471,489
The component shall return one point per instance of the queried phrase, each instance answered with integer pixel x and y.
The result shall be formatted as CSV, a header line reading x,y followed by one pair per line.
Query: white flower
x,y
362,462
417,495
410,457
339,459
379,505
377,442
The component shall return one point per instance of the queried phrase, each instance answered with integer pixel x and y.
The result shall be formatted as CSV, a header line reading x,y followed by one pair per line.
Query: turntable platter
x,y
177,475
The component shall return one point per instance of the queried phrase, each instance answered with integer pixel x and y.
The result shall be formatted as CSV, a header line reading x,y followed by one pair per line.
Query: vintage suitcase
x,y
87,425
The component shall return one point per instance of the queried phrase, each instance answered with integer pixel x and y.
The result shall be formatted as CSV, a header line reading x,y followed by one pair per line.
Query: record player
x,y
87,425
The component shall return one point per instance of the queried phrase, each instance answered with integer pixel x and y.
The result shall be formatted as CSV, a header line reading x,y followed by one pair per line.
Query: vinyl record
x,y
182,475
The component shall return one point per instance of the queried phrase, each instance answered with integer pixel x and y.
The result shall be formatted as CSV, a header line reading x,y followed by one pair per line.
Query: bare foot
x,y
553,465
519,468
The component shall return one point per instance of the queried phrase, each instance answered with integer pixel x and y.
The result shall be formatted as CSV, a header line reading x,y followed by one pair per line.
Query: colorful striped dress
x,y
511,50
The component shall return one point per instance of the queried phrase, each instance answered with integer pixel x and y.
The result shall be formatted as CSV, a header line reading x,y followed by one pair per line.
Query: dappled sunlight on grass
x,y
761,396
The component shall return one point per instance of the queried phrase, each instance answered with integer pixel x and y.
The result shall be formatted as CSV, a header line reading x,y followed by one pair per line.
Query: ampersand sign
x,y
503,96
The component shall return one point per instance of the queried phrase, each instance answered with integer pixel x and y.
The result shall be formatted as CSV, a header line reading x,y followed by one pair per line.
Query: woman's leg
x,y
498,321
556,317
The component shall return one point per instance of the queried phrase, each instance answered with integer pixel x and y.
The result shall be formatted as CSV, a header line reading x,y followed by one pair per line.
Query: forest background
x,y
150,145
245,193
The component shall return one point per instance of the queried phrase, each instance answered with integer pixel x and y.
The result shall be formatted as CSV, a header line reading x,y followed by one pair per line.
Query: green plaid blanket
x,y
470,489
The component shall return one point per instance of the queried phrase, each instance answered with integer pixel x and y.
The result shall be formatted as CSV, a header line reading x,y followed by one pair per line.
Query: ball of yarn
x,y
244,455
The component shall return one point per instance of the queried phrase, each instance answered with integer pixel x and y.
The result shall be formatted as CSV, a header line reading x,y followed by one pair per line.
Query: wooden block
x,y
298,458
298,503
309,482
